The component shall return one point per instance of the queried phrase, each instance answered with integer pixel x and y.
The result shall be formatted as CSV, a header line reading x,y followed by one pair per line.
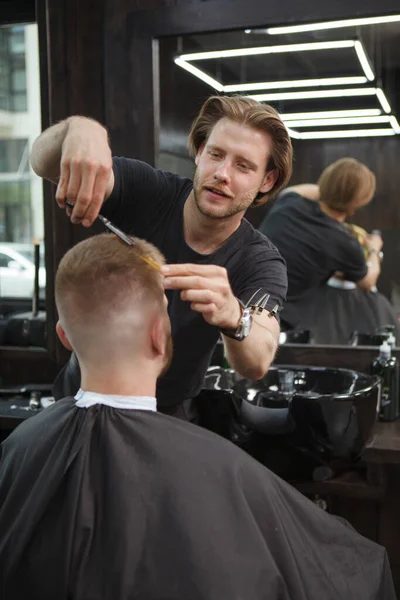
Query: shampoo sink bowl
x,y
302,422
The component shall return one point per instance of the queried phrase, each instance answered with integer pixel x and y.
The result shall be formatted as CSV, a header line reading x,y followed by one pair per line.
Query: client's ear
x,y
158,336
63,336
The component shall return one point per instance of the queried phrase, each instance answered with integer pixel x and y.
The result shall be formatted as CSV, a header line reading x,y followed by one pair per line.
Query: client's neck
x,y
117,378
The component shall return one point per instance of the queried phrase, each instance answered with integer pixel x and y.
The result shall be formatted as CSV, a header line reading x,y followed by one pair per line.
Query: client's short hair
x,y
103,276
346,182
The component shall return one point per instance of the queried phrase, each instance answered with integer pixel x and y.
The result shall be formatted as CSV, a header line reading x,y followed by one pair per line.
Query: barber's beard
x,y
232,206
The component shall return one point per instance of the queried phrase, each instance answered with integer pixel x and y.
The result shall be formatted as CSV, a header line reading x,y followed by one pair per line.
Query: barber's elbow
x,y
368,282
365,286
256,371
259,374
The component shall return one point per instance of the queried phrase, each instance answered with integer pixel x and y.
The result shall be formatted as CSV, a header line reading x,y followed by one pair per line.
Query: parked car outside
x,y
17,270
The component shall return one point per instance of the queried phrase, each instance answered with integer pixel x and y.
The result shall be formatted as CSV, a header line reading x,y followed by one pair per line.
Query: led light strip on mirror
x,y
184,61
332,118
327,25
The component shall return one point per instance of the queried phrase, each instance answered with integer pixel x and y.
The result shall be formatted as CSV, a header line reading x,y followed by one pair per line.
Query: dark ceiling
x,y
382,42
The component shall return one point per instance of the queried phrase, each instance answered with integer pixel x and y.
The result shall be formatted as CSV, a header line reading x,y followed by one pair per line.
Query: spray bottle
x,y
387,368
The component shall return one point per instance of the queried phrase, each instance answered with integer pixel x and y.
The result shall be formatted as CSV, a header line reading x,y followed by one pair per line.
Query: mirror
x,y
337,89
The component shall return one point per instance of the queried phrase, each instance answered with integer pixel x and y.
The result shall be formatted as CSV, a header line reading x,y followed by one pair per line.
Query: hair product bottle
x,y
387,367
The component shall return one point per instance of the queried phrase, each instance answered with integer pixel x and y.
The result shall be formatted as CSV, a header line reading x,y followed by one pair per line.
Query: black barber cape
x,y
116,504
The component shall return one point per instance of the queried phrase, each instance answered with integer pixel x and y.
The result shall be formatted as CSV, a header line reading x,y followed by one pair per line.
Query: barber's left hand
x,y
207,289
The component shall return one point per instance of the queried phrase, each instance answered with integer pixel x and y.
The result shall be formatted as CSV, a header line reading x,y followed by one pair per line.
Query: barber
x,y
217,262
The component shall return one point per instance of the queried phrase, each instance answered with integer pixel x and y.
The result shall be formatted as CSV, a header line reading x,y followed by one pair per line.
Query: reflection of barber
x,y
306,223
341,307
242,152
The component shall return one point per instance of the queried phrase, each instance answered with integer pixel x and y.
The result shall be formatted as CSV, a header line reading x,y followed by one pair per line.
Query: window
x,y
21,201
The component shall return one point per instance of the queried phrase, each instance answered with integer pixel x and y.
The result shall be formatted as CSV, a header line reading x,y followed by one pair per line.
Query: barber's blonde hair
x,y
103,275
345,183
247,111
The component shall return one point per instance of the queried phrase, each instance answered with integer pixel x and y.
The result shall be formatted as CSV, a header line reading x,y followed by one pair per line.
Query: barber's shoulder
x,y
201,441
260,242
288,196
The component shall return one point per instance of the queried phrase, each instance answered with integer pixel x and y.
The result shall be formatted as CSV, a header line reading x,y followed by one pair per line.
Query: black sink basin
x,y
321,413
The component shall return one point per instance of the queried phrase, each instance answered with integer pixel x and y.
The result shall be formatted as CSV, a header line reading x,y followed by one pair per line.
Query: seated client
x,y
102,498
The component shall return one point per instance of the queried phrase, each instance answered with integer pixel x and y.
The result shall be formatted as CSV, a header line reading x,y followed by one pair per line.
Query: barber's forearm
x,y
47,149
307,190
253,356
374,270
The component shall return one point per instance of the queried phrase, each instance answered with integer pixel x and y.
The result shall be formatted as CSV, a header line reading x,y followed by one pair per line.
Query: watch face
x,y
245,325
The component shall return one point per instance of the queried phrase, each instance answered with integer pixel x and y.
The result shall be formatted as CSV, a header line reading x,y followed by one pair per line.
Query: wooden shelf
x,y
384,446
351,484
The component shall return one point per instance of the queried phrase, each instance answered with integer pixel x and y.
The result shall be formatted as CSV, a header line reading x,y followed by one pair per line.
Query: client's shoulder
x,y
42,423
200,445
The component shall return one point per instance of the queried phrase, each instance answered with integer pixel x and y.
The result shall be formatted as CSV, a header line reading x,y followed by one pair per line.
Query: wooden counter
x,y
369,497
384,446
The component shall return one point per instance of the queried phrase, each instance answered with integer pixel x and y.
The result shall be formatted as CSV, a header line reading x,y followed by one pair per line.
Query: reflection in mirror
x,y
336,88
21,202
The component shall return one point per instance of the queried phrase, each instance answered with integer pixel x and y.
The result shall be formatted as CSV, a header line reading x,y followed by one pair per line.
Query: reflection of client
x,y
306,224
103,498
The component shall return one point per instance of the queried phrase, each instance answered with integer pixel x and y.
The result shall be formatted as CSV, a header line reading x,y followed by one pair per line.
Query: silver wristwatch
x,y
244,327
379,253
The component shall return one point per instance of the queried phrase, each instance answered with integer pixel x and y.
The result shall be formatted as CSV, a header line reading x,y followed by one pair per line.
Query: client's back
x,y
101,498
117,504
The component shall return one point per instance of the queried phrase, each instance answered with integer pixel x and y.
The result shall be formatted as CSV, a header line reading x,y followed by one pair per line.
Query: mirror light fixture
x,y
342,133
327,25
185,62
327,114
259,50
296,83
312,94
348,133
342,121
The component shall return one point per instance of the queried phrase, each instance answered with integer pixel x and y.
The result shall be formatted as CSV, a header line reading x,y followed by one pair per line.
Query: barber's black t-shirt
x,y
314,247
148,203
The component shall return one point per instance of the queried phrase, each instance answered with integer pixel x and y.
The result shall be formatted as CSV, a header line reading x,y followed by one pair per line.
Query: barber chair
x,y
303,423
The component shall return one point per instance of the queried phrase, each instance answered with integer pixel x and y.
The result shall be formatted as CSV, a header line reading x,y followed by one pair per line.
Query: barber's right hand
x,y
85,171
374,242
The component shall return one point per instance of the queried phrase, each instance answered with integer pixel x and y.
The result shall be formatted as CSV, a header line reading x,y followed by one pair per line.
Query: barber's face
x,y
231,169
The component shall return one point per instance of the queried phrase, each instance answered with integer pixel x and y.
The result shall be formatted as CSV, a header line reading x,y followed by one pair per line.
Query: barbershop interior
x,y
199,300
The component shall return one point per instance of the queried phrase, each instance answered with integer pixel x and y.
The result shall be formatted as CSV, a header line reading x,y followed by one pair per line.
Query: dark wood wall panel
x,y
17,11
71,38
181,97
